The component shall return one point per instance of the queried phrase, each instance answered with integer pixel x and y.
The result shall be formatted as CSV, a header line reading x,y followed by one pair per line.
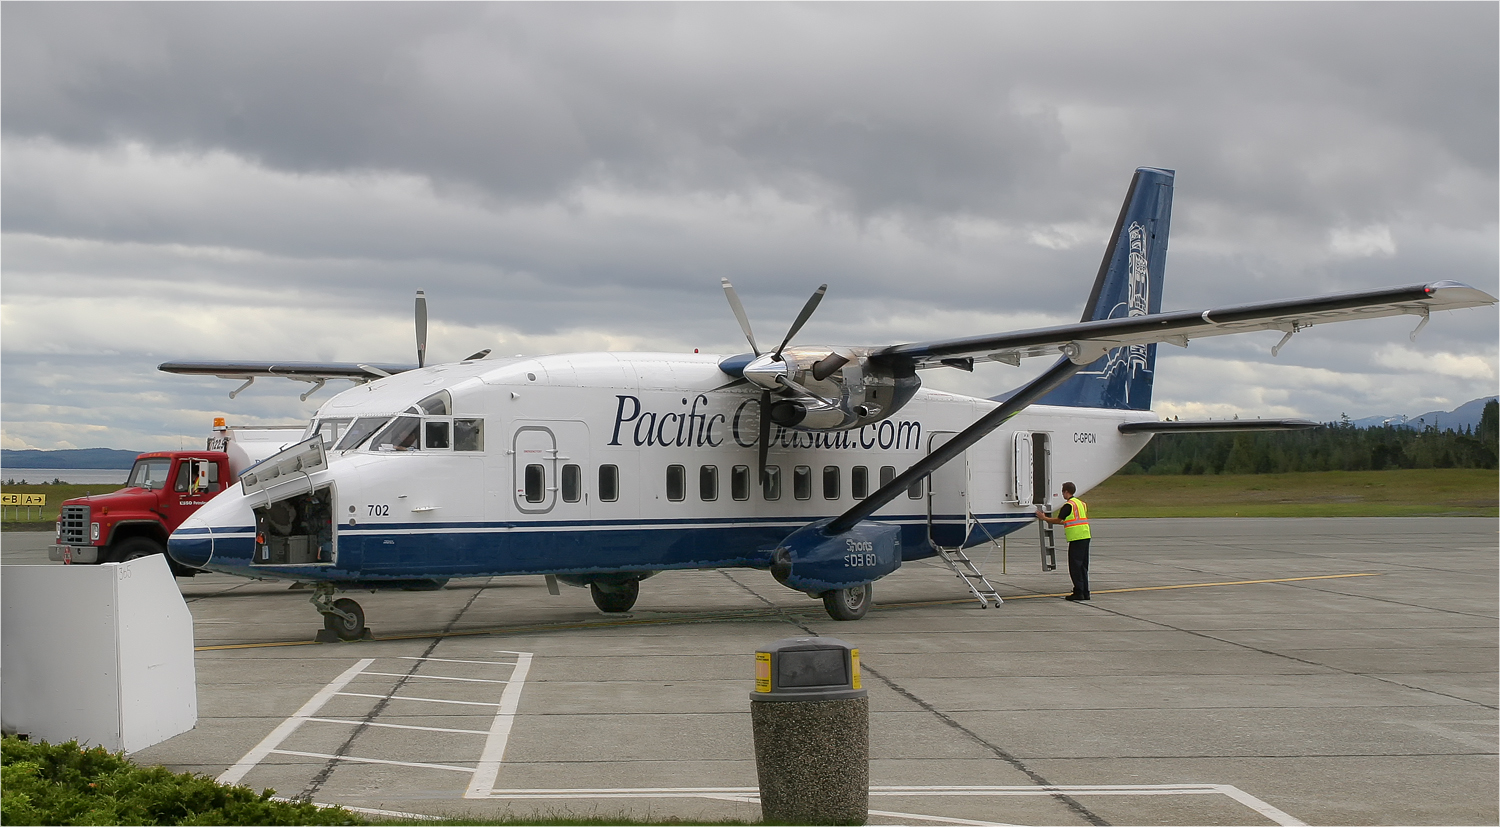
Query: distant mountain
x,y
107,458
1464,416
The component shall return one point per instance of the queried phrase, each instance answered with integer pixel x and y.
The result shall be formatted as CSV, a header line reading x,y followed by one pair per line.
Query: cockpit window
x,y
360,431
439,404
400,435
329,429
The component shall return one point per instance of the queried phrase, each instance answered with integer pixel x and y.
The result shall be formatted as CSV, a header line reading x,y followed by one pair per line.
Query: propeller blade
x,y
421,329
828,366
765,433
807,311
739,313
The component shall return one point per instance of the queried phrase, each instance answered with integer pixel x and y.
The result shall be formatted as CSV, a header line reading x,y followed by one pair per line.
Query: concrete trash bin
x,y
811,721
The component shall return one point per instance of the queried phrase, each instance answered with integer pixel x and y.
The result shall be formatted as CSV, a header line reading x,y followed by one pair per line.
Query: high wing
x,y
307,371
317,373
1086,341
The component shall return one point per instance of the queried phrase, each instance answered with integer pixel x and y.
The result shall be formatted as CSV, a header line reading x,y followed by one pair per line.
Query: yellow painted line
x,y
760,613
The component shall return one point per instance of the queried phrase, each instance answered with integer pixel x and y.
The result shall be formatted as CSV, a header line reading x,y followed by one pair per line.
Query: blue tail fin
x,y
1129,284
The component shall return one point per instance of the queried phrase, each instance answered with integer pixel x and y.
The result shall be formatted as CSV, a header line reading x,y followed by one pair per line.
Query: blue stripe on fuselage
x,y
405,551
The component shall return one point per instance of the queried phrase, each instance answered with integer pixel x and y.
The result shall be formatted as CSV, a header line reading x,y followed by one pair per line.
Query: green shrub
x,y
43,783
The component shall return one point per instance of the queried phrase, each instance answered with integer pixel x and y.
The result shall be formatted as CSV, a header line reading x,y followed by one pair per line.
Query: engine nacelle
x,y
831,388
811,561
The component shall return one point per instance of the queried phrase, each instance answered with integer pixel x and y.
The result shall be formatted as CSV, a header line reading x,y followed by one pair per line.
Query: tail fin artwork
x,y
1129,284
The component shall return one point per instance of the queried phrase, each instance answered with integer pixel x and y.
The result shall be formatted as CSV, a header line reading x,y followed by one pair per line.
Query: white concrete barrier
x,y
100,654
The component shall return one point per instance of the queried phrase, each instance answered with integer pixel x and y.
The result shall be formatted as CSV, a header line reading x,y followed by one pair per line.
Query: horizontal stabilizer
x,y
1215,425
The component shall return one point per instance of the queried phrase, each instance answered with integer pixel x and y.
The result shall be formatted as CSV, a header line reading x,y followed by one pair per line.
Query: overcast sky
x,y
276,180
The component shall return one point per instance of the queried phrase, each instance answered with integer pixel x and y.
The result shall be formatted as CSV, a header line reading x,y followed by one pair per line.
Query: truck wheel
x,y
135,548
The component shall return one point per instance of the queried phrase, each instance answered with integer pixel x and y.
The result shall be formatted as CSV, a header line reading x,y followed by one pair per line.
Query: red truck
x,y
163,489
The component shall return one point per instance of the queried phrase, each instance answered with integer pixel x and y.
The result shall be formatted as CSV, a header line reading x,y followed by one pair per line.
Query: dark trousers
x,y
1078,566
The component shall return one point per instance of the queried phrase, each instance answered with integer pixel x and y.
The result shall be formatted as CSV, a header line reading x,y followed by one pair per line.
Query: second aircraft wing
x,y
1086,341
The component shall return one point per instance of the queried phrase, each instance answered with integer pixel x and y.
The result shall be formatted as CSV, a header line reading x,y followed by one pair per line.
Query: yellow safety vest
x,y
1077,525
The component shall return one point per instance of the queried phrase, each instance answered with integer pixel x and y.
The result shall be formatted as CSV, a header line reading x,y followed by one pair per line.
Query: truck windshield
x,y
360,431
150,473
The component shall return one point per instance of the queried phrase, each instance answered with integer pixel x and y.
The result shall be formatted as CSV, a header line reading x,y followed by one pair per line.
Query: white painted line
x,y
488,769
400,726
451,660
366,810
1261,807
423,700
939,819
287,727
435,677
372,760
752,793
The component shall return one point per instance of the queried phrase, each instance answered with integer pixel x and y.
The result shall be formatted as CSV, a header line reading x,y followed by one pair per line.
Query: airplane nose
x,y
191,546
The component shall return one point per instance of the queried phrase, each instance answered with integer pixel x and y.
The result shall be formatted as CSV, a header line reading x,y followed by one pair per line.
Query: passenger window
x,y
859,482
739,482
802,482
708,483
435,434
887,473
609,483
572,483
914,490
830,482
468,434
676,483
536,478
771,485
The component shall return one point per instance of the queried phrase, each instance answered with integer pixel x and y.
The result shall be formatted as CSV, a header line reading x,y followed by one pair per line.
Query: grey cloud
x,y
910,108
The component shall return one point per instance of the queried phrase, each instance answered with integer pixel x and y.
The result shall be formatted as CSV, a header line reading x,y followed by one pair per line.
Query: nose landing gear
x,y
343,619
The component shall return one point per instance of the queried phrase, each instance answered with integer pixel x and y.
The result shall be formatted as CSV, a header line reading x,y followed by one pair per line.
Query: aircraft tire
x,y
346,629
849,604
620,599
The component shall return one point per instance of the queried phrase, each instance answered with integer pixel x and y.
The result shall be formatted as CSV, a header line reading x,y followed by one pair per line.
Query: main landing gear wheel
x,y
616,598
347,626
849,604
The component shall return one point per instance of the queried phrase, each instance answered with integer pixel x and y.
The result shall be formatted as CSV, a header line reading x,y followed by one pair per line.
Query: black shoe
x,y
1074,597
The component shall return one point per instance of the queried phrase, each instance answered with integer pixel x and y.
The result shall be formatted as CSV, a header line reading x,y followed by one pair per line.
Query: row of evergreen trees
x,y
1337,446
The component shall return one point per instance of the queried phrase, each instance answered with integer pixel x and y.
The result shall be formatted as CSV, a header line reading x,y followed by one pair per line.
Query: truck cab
x,y
164,489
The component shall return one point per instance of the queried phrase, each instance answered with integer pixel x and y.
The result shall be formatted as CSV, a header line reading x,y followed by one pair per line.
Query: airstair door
x,y
1032,467
948,496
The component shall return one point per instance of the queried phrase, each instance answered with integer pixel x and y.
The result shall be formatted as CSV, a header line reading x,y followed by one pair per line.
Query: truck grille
x,y
74,524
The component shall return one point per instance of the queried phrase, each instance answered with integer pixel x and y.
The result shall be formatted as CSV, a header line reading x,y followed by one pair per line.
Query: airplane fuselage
x,y
586,465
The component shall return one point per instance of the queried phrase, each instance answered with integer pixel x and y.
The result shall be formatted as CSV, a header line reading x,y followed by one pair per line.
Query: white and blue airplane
x,y
829,466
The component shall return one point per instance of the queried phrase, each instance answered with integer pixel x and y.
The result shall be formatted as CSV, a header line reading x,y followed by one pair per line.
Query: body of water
x,y
77,476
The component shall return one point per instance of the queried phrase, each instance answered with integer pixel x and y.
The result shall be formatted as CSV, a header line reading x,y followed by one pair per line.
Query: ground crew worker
x,y
1074,518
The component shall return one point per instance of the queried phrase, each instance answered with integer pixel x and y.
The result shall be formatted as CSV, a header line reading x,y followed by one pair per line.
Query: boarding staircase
x,y
978,584
963,566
